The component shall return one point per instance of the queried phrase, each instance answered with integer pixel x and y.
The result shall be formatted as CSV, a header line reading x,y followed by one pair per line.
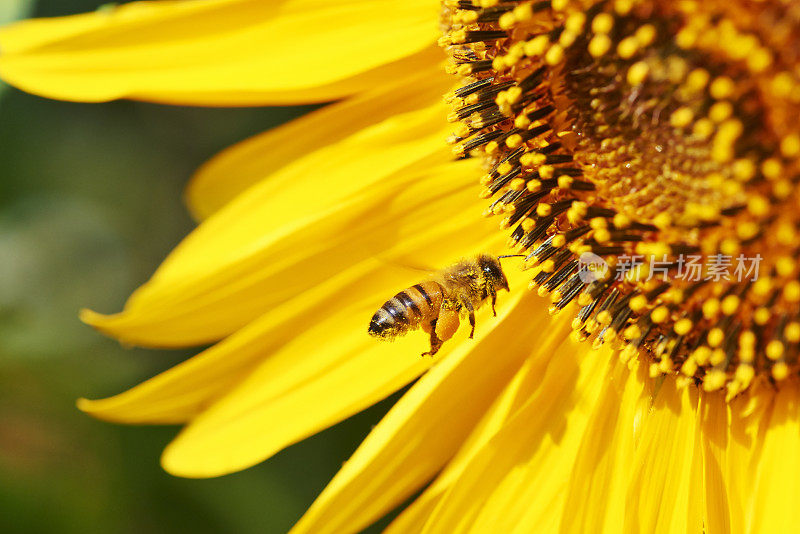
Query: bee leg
x,y
436,343
493,294
468,305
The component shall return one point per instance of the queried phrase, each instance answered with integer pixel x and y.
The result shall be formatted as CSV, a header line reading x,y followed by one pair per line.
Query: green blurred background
x,y
90,202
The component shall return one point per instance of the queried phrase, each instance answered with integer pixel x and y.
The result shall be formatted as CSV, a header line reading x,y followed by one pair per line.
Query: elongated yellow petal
x,y
428,425
777,489
516,482
218,52
514,397
663,483
749,419
251,161
717,490
601,475
288,234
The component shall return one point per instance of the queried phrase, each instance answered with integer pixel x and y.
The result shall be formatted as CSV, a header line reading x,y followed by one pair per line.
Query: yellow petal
x,y
292,232
430,422
218,52
777,489
601,475
749,417
717,488
517,481
665,467
514,397
251,161
182,392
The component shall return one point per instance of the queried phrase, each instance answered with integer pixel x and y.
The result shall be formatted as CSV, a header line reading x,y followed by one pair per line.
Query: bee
x,y
437,305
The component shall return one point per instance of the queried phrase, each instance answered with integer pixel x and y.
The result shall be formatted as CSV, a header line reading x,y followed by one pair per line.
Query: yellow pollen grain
x,y
722,87
683,326
663,220
602,236
759,60
715,337
528,224
747,339
790,146
729,246
632,332
774,350
534,186
599,45
536,46
565,182
645,35
554,55
621,220
758,206
730,304
743,169
603,23
745,374
720,111
772,169
517,184
784,266
686,38
623,7
654,371
697,80
681,117
627,47
659,315
703,128
745,232
762,316
714,380
514,141
780,371
710,308
523,12
637,73
689,367
791,292
702,355
792,332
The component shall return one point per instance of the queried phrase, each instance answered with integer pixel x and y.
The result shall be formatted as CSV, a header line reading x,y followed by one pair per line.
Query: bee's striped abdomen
x,y
406,310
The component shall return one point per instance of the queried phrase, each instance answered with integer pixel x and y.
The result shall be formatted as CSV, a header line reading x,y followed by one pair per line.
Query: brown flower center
x,y
646,156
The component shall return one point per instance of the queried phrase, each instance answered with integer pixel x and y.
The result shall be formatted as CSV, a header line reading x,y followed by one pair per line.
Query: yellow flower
x,y
610,129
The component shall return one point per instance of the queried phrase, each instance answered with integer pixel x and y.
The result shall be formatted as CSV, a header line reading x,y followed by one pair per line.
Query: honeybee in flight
x,y
437,305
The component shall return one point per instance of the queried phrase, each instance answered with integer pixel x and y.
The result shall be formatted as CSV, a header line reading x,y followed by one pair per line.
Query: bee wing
x,y
408,263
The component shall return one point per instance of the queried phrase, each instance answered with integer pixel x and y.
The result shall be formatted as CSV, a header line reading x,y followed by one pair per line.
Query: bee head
x,y
492,271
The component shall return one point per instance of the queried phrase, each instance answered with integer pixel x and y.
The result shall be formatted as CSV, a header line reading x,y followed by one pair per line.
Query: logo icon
x,y
591,267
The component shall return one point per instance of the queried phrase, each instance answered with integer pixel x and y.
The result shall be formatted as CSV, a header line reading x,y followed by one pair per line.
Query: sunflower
x,y
642,137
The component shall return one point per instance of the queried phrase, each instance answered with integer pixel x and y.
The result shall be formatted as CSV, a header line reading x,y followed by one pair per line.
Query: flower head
x,y
608,130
